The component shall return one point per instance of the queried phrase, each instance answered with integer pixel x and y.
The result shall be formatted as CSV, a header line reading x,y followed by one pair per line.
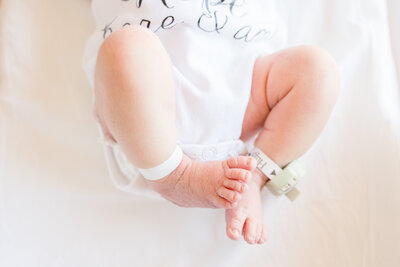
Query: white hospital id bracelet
x,y
160,171
282,181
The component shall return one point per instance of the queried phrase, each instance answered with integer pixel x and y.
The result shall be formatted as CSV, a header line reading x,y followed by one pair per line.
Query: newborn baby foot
x,y
246,218
207,184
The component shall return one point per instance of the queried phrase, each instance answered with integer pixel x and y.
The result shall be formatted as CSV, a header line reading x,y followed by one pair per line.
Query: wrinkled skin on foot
x,y
207,184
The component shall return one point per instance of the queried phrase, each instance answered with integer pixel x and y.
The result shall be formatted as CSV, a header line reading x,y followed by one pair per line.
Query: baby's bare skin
x,y
246,218
292,94
207,184
233,184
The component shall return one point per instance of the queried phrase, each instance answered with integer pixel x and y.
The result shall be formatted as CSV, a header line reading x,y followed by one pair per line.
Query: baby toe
x,y
242,162
222,203
228,194
234,223
259,233
250,231
238,174
235,185
264,235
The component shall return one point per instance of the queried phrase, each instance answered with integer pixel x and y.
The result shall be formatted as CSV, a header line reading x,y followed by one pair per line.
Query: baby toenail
x,y
244,187
235,232
251,239
237,197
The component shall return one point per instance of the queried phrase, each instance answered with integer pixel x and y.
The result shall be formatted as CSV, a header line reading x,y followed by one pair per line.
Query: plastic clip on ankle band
x,y
281,181
160,171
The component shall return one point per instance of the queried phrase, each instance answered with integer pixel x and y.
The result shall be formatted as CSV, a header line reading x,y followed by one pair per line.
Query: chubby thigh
x,y
293,92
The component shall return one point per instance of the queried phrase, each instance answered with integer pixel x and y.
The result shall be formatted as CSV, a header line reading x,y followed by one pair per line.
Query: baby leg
x,y
135,102
293,94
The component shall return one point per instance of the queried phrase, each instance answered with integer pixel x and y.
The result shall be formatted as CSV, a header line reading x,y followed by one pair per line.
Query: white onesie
x,y
212,45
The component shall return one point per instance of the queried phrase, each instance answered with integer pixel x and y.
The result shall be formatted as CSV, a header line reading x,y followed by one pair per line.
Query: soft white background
x,y
59,208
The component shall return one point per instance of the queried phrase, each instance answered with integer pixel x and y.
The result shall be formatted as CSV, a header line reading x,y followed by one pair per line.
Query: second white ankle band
x,y
160,171
265,164
281,181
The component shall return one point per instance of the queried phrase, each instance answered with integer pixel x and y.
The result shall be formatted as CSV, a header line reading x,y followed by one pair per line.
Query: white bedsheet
x,y
59,208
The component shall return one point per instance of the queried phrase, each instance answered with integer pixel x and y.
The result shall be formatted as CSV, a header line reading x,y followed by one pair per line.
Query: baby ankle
x,y
165,168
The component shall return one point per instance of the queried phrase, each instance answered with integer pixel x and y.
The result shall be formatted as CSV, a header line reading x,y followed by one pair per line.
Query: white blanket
x,y
59,208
